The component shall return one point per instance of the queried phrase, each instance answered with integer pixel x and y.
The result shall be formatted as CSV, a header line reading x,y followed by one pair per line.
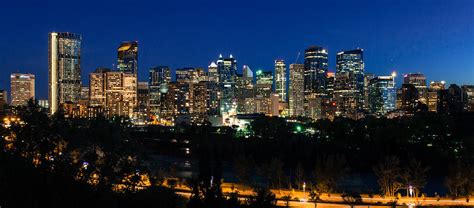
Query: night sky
x,y
430,36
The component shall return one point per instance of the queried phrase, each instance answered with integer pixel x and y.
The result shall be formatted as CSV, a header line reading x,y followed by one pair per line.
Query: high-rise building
x,y
185,75
158,80
199,102
244,90
143,98
419,81
3,99
382,94
176,101
116,92
315,70
212,72
22,88
263,91
433,95
407,98
367,78
468,97
64,69
296,90
349,81
280,80
227,69
127,57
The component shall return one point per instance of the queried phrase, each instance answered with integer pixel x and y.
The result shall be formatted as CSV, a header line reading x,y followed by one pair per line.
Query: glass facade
x,y
128,57
64,69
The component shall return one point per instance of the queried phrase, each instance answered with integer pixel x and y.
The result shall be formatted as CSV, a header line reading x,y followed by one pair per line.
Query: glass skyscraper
x,y
280,80
382,94
64,69
128,57
227,69
349,81
158,80
315,69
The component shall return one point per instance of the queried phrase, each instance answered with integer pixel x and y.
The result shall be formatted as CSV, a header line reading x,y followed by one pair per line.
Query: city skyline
x,y
414,47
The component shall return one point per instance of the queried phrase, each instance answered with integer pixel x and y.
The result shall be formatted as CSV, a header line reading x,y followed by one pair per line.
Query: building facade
x,y
296,90
127,57
64,69
22,88
280,80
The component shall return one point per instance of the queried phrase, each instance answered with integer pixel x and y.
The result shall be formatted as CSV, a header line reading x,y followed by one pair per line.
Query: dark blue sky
x,y
435,37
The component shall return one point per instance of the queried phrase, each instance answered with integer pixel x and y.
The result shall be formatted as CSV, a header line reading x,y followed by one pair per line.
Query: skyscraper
x,y
212,73
64,69
244,90
349,81
419,81
3,99
158,80
468,97
227,69
315,69
280,80
127,54
263,91
433,94
296,90
22,88
382,94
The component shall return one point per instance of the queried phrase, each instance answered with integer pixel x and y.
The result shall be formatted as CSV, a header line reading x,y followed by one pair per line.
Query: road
x,y
300,198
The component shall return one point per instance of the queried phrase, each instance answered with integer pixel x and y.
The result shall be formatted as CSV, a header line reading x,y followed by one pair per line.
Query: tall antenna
x,y
297,57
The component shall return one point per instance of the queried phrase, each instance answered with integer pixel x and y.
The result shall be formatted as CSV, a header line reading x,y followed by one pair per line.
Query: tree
x,y
299,175
242,168
388,173
315,197
328,172
263,198
457,180
414,175
352,198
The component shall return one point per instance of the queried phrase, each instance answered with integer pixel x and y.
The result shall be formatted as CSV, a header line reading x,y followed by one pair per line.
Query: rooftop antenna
x,y
297,57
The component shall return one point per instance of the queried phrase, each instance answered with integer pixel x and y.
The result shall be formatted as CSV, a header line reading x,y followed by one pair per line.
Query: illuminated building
x,y
275,104
158,80
349,81
199,102
212,73
330,80
244,90
407,98
367,78
116,92
419,81
176,101
296,90
22,88
227,69
184,75
44,104
468,97
64,69
263,90
127,57
315,70
3,99
433,94
382,94
280,80
143,98
84,98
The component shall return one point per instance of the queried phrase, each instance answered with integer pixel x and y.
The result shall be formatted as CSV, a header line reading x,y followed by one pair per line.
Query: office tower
x,y
184,75
330,80
199,102
176,101
407,98
212,72
3,99
143,98
213,100
280,79
296,90
274,104
315,70
22,88
349,81
244,90
382,94
127,57
43,104
468,97
367,78
419,81
227,69
116,92
199,75
64,69
158,79
433,94
263,90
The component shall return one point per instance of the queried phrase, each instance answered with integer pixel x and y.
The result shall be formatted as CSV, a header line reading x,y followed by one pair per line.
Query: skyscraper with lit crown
x,y
280,80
